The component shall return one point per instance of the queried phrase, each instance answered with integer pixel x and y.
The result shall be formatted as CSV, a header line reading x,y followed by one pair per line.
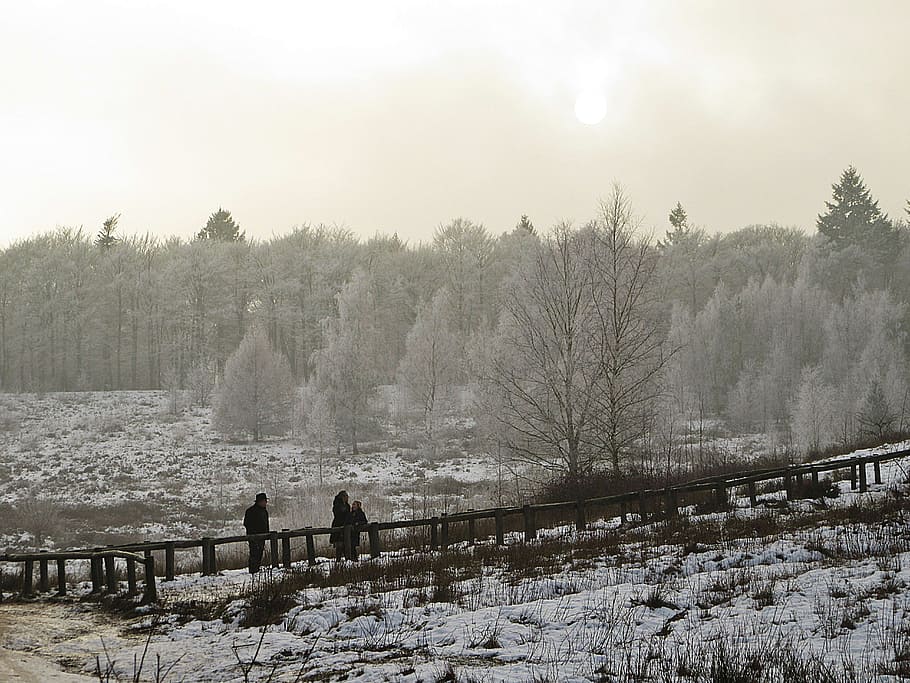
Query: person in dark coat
x,y
256,521
358,518
341,516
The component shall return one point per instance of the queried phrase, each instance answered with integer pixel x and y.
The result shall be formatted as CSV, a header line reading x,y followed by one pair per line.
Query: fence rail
x,y
650,501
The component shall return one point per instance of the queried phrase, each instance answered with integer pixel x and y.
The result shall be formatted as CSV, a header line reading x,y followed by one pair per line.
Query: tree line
x,y
580,342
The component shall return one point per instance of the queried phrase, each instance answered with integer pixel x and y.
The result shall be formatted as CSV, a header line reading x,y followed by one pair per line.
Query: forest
x,y
579,344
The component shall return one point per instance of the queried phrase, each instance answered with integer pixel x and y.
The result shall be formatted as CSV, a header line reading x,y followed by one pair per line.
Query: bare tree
x,y
545,366
632,352
256,392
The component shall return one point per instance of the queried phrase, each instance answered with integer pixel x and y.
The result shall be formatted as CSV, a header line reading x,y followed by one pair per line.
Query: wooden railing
x,y
648,502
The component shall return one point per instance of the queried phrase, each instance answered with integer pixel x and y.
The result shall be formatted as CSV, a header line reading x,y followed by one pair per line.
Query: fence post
x,y
853,477
863,486
61,576
877,467
500,527
131,575
434,533
151,591
642,511
310,549
96,564
208,561
623,517
347,536
42,575
285,549
472,529
788,485
530,527
720,496
753,501
444,541
110,574
814,478
27,578
169,561
580,523
273,549
373,532
799,483
670,502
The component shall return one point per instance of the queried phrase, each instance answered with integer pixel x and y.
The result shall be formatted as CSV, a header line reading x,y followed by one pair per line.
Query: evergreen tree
x,y
853,218
680,222
525,224
221,226
106,238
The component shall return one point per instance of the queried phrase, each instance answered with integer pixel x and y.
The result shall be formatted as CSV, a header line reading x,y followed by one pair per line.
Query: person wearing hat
x,y
256,521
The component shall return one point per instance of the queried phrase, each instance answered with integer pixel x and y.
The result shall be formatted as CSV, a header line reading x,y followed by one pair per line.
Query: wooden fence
x,y
647,503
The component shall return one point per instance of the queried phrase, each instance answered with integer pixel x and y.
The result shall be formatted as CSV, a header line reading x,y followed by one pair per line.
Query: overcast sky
x,y
400,116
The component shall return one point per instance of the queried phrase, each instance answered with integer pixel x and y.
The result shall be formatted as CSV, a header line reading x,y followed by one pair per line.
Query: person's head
x,y
262,500
343,495
356,505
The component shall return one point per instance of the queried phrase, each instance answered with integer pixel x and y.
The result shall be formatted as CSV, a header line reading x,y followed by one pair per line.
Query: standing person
x,y
341,516
256,521
358,518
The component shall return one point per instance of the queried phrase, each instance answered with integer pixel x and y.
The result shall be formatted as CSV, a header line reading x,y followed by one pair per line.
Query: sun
x,y
591,107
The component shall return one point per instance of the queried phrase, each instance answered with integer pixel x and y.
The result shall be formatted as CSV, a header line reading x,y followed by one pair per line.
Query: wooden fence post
x,y
814,478
671,503
285,549
61,576
28,578
151,591
110,574
373,532
208,561
500,527
96,566
43,585
788,485
580,522
472,529
310,550
434,533
753,501
853,477
623,517
877,467
131,575
720,496
642,509
170,561
863,486
530,526
444,539
273,549
348,538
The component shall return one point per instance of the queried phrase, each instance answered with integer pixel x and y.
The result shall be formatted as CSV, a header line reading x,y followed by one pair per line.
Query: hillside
x,y
812,590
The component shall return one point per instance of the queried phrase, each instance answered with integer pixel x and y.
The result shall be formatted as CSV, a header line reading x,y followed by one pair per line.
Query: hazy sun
x,y
591,107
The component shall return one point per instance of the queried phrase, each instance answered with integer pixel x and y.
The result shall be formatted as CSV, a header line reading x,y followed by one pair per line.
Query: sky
x,y
400,116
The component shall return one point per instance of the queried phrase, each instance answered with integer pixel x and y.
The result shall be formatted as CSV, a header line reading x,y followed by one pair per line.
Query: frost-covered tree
x,y
431,357
106,237
875,416
544,369
466,250
256,393
630,341
814,420
345,368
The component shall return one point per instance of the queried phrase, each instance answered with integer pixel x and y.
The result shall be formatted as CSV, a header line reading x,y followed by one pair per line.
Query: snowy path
x,y
26,630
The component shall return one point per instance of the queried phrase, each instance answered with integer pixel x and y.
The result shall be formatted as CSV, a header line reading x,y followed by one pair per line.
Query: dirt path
x,y
31,633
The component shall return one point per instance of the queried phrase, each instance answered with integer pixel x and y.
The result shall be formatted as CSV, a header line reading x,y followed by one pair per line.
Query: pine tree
x,y
680,222
853,218
106,238
221,226
525,224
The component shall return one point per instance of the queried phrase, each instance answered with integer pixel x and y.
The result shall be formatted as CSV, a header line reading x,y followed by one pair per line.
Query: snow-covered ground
x,y
817,590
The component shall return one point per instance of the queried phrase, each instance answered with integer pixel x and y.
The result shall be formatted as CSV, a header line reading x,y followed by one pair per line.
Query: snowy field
x,y
815,590
110,467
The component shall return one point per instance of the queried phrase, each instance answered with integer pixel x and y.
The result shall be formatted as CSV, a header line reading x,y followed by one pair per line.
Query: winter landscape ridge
x,y
811,590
